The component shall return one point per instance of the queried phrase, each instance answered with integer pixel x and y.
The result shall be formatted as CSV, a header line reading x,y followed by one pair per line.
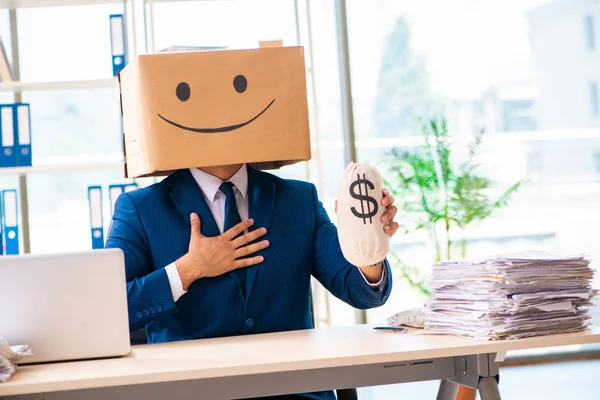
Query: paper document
x,y
510,296
9,355
412,317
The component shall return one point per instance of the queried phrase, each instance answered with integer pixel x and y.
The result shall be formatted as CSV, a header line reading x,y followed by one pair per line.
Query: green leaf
x,y
432,190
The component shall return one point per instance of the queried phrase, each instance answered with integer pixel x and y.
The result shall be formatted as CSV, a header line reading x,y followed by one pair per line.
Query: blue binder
x,y
114,191
118,43
23,134
10,218
96,220
8,157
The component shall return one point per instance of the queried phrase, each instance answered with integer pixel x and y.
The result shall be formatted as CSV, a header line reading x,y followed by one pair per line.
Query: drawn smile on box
x,y
240,84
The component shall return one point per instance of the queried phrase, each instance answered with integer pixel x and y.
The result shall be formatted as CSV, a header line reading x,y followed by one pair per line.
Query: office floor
x,y
577,380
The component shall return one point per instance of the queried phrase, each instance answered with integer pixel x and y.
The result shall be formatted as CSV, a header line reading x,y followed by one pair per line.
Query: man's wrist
x,y
174,281
372,273
187,273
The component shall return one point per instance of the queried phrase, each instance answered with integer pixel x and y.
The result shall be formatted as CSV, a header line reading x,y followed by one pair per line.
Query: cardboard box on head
x,y
219,107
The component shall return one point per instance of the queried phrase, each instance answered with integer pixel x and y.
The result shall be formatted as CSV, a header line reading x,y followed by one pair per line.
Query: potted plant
x,y
437,194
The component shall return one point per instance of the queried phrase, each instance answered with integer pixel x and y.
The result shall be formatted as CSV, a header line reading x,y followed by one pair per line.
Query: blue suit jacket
x,y
151,225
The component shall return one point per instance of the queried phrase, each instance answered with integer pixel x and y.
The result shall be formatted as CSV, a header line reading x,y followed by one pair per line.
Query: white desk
x,y
289,362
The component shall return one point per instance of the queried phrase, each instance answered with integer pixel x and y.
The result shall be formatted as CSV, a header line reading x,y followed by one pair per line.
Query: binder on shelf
x,y
114,191
23,119
96,220
117,40
10,218
8,158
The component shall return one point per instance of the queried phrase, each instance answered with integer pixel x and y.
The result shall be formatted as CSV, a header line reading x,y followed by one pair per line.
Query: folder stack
x,y
510,297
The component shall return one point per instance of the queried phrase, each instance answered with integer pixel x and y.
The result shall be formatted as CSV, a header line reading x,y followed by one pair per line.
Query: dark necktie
x,y
232,218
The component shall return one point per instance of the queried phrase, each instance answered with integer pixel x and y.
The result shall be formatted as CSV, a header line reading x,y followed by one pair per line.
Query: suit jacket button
x,y
146,313
152,310
249,322
139,314
158,308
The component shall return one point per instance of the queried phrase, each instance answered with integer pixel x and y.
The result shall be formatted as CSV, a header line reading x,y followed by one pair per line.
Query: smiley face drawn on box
x,y
184,92
194,109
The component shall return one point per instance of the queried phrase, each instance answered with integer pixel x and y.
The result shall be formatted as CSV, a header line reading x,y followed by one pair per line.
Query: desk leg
x,y
488,388
480,372
447,390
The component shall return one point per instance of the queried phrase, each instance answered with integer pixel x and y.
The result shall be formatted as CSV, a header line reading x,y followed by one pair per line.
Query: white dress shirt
x,y
215,199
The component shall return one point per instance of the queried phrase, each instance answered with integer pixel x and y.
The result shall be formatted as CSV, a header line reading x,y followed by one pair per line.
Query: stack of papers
x,y
510,297
9,355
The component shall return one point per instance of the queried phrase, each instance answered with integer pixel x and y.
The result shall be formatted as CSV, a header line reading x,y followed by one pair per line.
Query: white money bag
x,y
359,212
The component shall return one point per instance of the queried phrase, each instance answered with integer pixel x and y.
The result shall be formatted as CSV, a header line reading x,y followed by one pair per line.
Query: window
x,y
589,31
65,43
75,127
462,60
58,208
406,62
594,107
232,24
71,123
68,126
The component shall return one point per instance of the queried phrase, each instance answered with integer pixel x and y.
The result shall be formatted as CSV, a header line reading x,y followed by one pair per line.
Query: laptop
x,y
67,306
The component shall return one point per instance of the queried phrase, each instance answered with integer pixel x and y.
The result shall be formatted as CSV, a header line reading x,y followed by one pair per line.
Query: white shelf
x,y
53,3
51,168
59,85
14,4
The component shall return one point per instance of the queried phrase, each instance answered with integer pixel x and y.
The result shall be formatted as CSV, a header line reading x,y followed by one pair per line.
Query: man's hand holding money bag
x,y
365,213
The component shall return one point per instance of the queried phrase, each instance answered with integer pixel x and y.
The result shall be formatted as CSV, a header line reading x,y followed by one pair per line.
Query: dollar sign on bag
x,y
365,199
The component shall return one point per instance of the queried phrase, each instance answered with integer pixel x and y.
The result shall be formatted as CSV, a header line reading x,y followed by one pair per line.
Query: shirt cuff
x,y
175,281
379,285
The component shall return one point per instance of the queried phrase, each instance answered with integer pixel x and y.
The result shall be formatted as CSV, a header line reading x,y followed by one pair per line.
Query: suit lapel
x,y
188,199
261,197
